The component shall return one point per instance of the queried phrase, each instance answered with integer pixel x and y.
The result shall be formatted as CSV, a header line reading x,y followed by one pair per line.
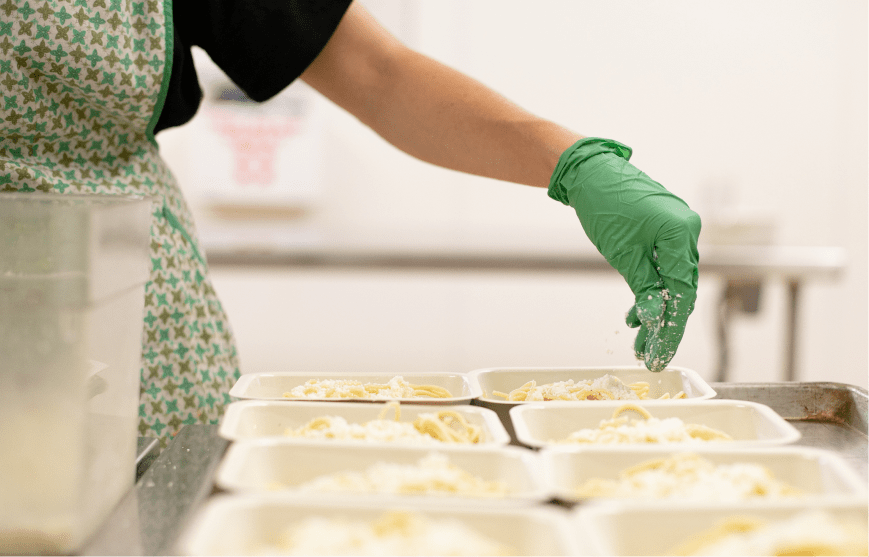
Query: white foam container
x,y
269,465
749,423
242,524
817,473
272,386
505,379
671,380
255,419
612,529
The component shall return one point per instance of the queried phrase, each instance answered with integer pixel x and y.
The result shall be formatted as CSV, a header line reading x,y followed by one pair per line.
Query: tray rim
x,y
235,409
839,467
857,404
708,391
790,434
232,465
559,520
789,384
583,517
238,389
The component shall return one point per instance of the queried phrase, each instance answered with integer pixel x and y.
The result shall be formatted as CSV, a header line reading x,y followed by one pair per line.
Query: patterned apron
x,y
82,83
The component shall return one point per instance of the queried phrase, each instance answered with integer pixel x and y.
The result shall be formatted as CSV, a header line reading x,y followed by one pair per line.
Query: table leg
x,y
740,295
722,333
790,367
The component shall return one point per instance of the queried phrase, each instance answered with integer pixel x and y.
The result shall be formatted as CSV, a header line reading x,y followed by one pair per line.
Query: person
x,y
86,86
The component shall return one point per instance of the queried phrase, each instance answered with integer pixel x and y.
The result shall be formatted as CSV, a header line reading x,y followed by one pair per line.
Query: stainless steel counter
x,y
149,519
152,516
147,449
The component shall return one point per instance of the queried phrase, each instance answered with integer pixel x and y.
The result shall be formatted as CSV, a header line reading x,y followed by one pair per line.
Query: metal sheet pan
x,y
830,416
151,517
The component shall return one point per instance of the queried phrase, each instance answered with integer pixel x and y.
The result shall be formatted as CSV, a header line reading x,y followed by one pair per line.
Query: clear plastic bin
x,y
72,275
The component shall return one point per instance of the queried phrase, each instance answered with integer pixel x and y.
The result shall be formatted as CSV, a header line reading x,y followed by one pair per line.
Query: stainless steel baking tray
x,y
828,415
150,518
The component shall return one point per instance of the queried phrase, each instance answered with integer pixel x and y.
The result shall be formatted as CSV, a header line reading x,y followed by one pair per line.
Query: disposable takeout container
x,y
671,380
248,524
276,465
253,419
818,474
614,529
750,424
272,386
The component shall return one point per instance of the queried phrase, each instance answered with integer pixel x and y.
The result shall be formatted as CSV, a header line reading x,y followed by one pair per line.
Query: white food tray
x,y
272,386
749,423
249,524
671,380
611,529
254,419
270,465
817,473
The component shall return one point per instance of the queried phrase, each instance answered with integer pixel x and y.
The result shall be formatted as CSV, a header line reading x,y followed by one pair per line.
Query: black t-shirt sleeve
x,y
262,45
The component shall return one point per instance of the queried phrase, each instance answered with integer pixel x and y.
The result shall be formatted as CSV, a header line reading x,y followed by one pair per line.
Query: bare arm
x,y
431,111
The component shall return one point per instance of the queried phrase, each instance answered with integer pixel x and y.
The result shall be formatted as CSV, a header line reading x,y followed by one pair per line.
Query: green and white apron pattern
x,y
82,83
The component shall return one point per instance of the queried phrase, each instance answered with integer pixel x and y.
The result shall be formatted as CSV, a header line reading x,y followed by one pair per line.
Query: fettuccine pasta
x,y
619,429
689,476
444,426
396,387
607,387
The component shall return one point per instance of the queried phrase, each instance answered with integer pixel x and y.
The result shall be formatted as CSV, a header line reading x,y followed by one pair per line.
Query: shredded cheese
x,y
607,387
445,426
394,533
690,476
432,475
647,430
396,387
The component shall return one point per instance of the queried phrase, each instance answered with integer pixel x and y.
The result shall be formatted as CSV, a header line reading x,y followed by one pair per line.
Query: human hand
x,y
645,232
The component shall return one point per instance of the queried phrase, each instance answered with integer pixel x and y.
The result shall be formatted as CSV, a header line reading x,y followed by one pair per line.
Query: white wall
x,y
746,109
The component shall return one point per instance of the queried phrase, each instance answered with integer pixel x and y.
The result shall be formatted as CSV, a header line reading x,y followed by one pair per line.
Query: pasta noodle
x,y
431,475
445,426
607,387
393,533
810,532
396,387
689,476
619,429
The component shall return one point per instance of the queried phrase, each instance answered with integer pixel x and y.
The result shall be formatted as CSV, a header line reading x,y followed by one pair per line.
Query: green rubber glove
x,y
648,234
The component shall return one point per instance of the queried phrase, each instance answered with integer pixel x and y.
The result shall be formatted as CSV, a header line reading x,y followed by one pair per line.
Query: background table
x,y
743,269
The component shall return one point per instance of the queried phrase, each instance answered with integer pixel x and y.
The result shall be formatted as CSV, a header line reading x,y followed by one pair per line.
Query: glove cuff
x,y
575,155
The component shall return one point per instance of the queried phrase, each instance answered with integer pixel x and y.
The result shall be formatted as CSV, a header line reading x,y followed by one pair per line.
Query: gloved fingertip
x,y
631,319
640,351
655,364
658,355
